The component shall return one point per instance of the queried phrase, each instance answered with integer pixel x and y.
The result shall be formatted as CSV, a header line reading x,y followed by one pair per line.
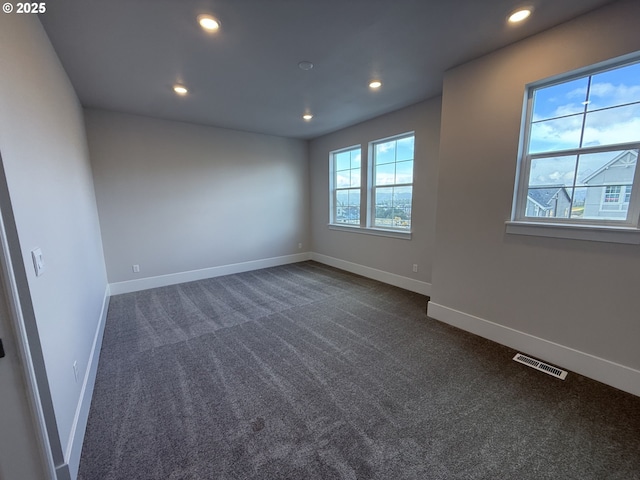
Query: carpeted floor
x,y
307,372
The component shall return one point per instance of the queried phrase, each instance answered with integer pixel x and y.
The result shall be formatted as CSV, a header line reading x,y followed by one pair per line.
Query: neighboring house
x,y
609,187
347,214
548,201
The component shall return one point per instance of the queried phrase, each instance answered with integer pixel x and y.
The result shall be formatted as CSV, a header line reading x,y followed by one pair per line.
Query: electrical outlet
x,y
136,269
75,370
299,246
415,267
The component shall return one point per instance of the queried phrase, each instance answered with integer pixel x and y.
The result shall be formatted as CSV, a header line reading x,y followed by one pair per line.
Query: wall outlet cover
x,y
38,261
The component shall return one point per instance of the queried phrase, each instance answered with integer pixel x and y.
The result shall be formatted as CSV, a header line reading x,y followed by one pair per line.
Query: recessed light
x,y
375,84
180,89
520,15
305,65
307,116
209,23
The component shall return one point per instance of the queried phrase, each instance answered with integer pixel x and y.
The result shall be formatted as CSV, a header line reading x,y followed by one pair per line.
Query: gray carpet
x,y
307,372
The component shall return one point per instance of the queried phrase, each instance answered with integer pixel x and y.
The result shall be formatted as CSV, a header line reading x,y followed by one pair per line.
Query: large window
x,y
346,168
580,150
392,185
386,170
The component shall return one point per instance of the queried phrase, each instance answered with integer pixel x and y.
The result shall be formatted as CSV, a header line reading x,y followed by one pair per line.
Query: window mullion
x,y
586,150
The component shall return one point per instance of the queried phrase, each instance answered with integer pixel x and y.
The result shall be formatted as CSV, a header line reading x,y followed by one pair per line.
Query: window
x,y
387,173
580,150
345,204
616,197
392,185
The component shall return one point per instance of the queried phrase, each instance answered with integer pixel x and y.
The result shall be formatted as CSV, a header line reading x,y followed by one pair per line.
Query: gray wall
x,y
45,159
577,294
391,255
177,197
19,454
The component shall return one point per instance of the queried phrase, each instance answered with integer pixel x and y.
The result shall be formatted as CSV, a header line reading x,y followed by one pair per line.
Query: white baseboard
x,y
605,371
193,275
74,446
407,283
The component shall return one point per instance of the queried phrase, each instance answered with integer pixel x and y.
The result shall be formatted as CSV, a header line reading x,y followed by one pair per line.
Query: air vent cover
x,y
538,365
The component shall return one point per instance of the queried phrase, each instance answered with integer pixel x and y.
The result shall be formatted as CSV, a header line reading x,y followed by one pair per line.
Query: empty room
x,y
319,239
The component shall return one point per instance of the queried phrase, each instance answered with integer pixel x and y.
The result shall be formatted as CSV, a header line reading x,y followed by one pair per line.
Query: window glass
x,y
560,100
405,149
583,142
393,207
612,126
386,174
404,172
546,171
385,153
393,179
558,134
345,205
388,177
619,86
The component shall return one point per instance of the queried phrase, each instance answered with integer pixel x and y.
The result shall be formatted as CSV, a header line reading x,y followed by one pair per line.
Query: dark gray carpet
x,y
307,372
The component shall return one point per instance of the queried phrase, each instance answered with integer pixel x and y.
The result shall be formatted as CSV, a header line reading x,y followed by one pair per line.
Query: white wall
x,y
389,255
576,301
48,175
178,197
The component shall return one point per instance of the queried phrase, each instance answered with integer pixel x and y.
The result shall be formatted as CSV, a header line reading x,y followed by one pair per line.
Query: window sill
x,y
371,231
607,234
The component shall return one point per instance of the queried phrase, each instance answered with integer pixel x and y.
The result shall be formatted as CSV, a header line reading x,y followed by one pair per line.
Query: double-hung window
x,y
386,171
391,190
580,150
345,180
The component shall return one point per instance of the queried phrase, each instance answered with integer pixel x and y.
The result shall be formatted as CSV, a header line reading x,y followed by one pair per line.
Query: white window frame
x,y
617,231
334,189
367,197
371,190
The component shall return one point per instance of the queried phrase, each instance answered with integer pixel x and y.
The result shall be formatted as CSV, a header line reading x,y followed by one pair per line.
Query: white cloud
x,y
578,93
613,94
385,147
605,127
343,179
602,133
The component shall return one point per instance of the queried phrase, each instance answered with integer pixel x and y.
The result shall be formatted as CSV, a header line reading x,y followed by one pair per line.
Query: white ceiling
x,y
125,55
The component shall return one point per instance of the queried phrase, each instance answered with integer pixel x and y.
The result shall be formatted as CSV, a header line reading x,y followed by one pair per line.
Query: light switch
x,y
38,261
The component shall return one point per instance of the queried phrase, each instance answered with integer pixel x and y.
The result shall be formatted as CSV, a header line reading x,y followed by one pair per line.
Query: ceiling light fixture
x,y
209,23
307,116
305,65
519,15
375,84
180,89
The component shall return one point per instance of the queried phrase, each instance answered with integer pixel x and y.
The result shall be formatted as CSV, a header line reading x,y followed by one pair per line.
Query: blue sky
x,y
560,110
615,87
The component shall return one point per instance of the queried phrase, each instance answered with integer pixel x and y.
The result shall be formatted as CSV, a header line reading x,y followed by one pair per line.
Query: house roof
x,y
627,157
545,196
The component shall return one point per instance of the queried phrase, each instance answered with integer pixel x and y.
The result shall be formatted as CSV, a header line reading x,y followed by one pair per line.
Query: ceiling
x,y
125,55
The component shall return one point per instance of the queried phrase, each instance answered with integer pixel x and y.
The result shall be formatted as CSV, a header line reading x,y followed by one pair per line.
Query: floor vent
x,y
538,365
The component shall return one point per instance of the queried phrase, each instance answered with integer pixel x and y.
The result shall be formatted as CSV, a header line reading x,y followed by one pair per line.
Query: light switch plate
x,y
38,261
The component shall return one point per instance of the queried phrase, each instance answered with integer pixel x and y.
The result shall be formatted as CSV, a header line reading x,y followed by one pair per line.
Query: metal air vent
x,y
538,365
